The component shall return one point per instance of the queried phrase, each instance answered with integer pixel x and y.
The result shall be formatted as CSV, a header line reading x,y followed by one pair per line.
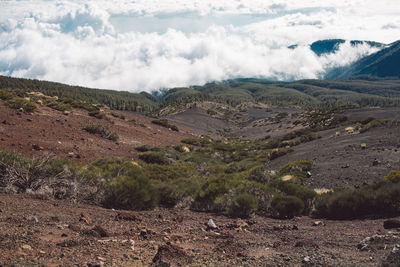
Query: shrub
x,y
196,141
115,115
378,200
309,137
18,102
243,206
154,158
143,148
372,124
276,153
97,114
45,178
305,194
207,194
286,206
59,106
393,176
5,95
165,123
133,191
297,168
101,130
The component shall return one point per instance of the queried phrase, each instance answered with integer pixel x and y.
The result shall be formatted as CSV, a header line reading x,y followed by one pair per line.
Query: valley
x,y
286,176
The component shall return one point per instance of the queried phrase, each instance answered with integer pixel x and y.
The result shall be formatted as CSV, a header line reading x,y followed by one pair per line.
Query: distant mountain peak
x,y
384,63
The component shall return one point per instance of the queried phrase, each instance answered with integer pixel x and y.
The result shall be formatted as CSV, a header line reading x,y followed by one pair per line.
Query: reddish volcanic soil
x,y
58,233
48,130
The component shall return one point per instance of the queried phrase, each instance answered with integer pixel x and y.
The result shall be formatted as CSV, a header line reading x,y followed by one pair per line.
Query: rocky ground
x,y
53,233
49,131
56,233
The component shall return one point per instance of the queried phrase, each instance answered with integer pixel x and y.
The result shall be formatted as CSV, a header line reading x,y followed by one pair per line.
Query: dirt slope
x,y
50,131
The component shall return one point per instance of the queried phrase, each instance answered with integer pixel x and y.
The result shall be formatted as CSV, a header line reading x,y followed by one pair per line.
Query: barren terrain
x,y
53,233
49,131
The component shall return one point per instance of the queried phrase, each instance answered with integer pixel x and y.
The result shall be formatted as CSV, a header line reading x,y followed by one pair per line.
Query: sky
x,y
146,45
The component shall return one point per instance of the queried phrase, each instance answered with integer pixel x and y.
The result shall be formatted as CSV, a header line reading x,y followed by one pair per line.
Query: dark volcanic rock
x,y
392,223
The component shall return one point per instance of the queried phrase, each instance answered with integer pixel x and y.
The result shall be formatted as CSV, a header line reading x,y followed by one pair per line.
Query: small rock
x,y
37,147
306,259
64,235
32,219
363,146
396,248
392,223
85,218
375,162
1,210
60,227
211,224
101,258
42,252
317,223
346,166
26,247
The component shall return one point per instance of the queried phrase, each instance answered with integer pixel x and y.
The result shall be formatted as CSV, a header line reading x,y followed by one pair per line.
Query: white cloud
x,y
150,44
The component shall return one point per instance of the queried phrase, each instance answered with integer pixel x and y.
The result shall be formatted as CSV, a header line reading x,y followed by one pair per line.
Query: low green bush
x,y
133,191
305,194
5,95
286,207
297,168
196,141
208,193
154,158
116,115
60,106
381,199
372,124
101,130
243,206
97,114
21,103
276,153
393,176
165,123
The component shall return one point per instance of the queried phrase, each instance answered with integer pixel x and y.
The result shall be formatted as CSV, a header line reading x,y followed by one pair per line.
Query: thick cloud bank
x,y
151,44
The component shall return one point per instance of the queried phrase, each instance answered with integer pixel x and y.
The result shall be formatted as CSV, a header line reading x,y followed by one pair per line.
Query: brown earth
x,y
49,131
52,233
57,233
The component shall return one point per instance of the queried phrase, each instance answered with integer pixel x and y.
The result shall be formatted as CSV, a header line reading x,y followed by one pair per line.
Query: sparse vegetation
x,y
101,130
371,123
116,115
166,124
45,178
98,114
380,199
17,102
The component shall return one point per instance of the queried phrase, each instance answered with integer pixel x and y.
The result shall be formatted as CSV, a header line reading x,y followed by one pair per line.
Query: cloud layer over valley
x,y
148,44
